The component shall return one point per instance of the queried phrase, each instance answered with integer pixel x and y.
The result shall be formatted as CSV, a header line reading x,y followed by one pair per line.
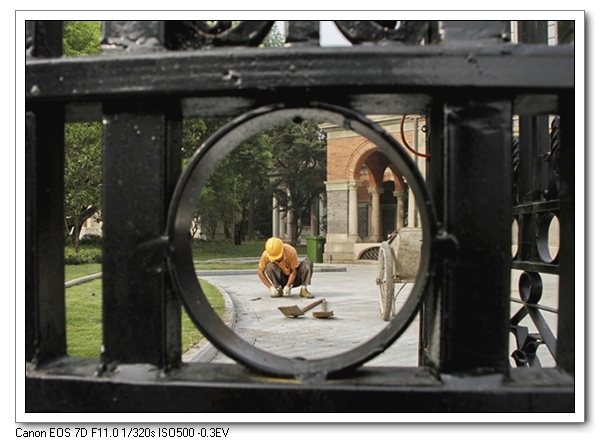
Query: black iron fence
x,y
470,81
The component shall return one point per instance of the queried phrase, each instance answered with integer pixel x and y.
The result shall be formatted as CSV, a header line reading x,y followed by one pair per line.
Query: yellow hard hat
x,y
274,248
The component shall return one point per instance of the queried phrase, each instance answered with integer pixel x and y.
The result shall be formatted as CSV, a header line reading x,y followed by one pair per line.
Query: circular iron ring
x,y
543,238
181,266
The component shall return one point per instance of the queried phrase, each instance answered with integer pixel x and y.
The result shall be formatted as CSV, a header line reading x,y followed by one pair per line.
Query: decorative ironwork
x,y
516,170
370,254
180,216
409,32
536,185
530,293
554,160
197,34
159,73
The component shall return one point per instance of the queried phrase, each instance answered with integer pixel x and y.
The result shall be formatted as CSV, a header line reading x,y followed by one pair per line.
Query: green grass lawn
x,y
84,319
75,271
84,316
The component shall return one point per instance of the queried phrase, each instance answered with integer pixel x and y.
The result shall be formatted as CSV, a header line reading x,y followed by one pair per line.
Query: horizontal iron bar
x,y
74,387
520,68
365,103
534,306
541,206
546,268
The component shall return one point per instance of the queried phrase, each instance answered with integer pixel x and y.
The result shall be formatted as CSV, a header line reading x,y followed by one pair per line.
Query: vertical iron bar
x,y
484,32
171,322
526,162
566,302
141,313
142,160
44,38
533,144
478,207
31,263
527,251
566,32
430,318
465,316
44,264
302,32
542,144
537,32
45,329
135,36
531,31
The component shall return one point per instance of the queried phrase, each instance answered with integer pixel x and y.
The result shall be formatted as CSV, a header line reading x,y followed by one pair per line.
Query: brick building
x,y
367,196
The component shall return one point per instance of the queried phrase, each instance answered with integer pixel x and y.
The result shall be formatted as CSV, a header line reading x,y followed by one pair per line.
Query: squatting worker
x,y
280,271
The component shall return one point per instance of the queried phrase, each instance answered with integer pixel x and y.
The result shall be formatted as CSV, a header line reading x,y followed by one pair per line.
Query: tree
x,y
81,38
83,175
83,148
209,212
274,39
239,185
229,196
300,164
250,162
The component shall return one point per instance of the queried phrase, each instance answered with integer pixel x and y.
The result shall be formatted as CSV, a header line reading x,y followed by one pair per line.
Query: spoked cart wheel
x,y
385,280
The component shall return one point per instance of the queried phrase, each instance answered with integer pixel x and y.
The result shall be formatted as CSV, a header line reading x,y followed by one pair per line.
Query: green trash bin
x,y
314,248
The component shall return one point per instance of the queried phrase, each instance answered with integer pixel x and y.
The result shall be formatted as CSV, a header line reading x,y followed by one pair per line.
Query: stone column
x,y
341,208
376,215
282,224
314,217
399,209
353,210
275,218
412,210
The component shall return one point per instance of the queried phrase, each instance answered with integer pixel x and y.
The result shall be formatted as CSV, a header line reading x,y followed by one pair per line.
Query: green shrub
x,y
86,254
90,239
225,248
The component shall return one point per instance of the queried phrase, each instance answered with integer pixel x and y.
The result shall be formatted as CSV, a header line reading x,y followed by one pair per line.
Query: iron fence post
x,y
141,163
45,330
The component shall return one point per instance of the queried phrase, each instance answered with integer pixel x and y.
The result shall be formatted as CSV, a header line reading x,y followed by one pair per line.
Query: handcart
x,y
399,258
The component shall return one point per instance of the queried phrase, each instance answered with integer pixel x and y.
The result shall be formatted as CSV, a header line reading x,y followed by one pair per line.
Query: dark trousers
x,y
278,278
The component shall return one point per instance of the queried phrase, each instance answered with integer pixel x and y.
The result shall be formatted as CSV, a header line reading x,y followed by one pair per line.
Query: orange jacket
x,y
288,262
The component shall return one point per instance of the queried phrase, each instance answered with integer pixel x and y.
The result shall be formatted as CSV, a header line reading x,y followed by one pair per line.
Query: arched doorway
x,y
367,197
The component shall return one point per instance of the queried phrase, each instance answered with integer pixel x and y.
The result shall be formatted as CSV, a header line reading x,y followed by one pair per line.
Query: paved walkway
x,y
350,292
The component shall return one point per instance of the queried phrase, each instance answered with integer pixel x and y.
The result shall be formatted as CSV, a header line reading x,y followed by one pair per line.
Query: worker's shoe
x,y
304,293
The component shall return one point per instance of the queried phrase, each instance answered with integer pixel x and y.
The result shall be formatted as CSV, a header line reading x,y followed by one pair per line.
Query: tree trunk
x,y
79,221
76,230
250,233
295,231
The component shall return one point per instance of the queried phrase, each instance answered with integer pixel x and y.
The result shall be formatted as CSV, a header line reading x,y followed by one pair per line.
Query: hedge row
x,y
83,256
